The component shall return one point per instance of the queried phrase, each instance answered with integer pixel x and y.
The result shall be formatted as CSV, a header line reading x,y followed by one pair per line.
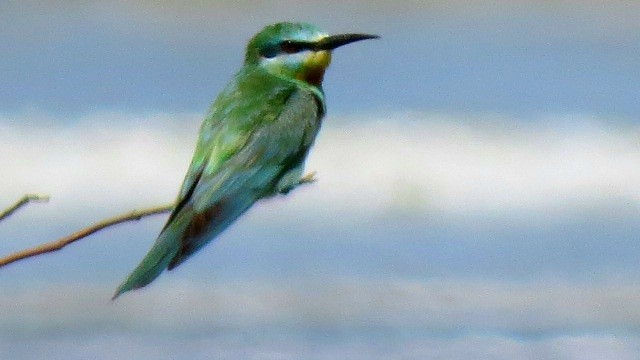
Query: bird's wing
x,y
251,172
245,104
244,147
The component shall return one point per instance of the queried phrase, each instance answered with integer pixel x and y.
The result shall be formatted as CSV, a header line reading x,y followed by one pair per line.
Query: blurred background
x,y
478,193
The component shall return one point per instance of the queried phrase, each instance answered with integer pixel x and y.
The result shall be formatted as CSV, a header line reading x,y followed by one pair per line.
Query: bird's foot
x,y
307,179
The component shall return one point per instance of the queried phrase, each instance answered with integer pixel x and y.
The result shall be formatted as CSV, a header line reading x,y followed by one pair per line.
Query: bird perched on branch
x,y
252,144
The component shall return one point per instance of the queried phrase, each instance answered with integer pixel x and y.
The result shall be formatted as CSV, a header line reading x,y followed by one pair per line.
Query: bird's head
x,y
296,50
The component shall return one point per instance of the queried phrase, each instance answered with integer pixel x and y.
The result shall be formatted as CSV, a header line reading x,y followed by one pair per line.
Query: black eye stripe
x,y
284,47
291,47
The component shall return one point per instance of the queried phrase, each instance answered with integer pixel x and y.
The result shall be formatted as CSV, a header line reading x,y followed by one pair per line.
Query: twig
x,y
62,242
22,202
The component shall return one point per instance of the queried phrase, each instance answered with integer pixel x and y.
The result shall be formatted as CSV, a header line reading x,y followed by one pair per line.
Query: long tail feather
x,y
158,258
186,233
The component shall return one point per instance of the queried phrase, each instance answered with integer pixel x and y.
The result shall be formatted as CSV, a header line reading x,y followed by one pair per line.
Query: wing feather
x,y
272,149
259,128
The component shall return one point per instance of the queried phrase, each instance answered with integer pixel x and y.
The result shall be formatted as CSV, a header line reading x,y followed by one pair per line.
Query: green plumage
x,y
251,145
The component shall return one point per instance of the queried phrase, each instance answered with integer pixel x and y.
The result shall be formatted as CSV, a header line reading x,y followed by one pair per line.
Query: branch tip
x,y
24,200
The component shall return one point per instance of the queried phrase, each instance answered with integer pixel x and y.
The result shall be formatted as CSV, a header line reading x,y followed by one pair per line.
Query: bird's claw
x,y
308,179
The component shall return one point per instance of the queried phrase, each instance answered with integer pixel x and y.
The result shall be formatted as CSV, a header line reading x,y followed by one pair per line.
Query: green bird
x,y
252,143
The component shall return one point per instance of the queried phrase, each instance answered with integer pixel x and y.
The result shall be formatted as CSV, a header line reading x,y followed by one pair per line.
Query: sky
x,y
477,192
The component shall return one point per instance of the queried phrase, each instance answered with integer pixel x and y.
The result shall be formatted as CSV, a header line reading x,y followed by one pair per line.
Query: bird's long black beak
x,y
334,41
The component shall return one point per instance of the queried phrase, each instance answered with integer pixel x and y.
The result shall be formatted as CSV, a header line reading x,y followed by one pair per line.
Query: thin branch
x,y
62,242
22,202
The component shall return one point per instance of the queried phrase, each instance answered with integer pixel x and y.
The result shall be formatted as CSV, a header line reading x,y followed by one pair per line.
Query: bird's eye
x,y
270,51
290,47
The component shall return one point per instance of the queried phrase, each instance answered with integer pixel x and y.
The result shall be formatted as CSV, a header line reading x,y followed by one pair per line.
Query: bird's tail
x,y
186,232
158,258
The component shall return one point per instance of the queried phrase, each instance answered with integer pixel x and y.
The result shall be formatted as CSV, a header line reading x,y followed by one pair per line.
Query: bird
x,y
252,143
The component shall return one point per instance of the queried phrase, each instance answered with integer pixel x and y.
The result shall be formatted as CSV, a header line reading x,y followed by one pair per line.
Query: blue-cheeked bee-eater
x,y
252,143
